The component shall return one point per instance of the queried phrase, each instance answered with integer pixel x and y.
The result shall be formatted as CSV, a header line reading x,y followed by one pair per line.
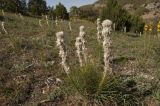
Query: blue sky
x,y
70,3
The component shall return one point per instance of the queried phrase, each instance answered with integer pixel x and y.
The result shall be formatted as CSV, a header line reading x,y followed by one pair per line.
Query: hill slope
x,y
147,9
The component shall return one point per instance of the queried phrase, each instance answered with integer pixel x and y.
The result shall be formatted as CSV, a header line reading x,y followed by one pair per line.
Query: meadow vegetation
x,y
31,73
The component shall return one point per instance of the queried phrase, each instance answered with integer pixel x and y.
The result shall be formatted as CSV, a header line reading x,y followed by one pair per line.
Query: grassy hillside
x,y
29,58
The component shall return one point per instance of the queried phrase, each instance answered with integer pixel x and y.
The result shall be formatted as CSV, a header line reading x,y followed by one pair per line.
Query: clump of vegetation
x,y
115,90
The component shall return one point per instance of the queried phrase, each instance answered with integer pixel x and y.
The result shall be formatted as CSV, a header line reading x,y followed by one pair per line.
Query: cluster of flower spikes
x,y
62,52
107,27
99,29
80,46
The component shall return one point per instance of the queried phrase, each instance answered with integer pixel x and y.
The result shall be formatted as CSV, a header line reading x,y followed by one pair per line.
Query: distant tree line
x,y
39,8
34,8
13,5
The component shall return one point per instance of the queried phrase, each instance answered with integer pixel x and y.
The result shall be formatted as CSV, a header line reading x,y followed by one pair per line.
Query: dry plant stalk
x,y
62,52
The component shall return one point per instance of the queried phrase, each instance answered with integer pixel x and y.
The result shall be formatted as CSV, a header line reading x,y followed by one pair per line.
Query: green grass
x,y
28,48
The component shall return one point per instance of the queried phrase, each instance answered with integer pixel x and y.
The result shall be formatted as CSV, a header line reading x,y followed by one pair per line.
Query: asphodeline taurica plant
x,y
107,27
40,23
82,35
80,46
62,52
3,28
70,27
21,16
56,21
3,13
47,20
99,29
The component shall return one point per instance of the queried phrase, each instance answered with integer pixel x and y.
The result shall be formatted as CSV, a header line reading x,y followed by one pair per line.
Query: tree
x,y
74,12
110,10
115,13
51,12
88,13
121,17
13,5
61,12
2,4
23,5
37,7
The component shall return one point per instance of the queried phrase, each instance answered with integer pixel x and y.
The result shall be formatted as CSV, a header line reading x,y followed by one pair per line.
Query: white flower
x,y
62,53
80,46
3,28
20,15
58,80
70,27
99,29
107,27
40,23
47,20
3,13
56,21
